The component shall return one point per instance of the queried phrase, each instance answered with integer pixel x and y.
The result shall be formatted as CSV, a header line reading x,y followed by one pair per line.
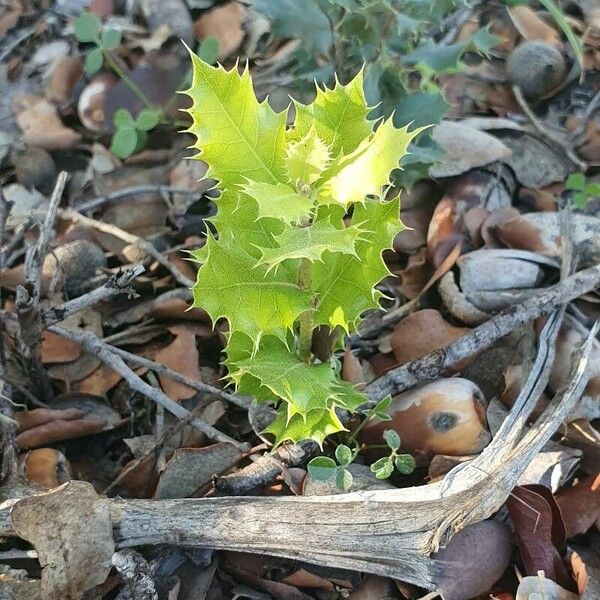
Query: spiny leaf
x,y
311,242
317,425
367,170
345,283
238,137
279,201
305,387
230,285
339,116
307,159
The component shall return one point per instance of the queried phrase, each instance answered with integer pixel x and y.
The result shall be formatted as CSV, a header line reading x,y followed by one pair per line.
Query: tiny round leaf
x,y
124,142
405,464
123,119
147,119
208,50
343,480
86,27
111,38
322,468
93,61
392,439
383,467
343,455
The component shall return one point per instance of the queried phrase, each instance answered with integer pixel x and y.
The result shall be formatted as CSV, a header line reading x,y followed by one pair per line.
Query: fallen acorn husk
x,y
446,416
495,278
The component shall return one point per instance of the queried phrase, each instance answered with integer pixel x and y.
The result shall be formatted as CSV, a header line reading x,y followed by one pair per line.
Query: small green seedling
x,y
582,192
88,29
131,133
323,468
403,463
304,216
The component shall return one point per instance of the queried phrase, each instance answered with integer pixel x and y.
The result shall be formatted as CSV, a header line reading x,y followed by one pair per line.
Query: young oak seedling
x,y
302,224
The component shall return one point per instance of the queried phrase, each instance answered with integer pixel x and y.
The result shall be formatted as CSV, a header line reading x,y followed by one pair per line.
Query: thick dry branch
x,y
117,284
387,532
96,347
434,364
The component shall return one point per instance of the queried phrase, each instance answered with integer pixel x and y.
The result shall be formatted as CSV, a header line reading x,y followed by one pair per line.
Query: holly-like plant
x,y
302,222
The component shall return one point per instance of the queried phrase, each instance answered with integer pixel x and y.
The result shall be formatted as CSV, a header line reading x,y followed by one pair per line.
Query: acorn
x,y
46,467
537,68
446,416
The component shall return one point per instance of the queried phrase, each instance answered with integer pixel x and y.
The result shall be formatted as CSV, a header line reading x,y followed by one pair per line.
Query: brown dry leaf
x,y
465,148
534,588
416,274
304,579
9,16
182,356
140,479
64,73
423,332
98,382
352,369
190,469
582,435
57,349
540,532
72,563
225,24
473,560
580,506
283,591
533,27
41,125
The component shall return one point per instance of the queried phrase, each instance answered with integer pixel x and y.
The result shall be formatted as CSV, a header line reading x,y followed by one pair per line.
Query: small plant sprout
x,y
403,463
582,191
323,468
302,220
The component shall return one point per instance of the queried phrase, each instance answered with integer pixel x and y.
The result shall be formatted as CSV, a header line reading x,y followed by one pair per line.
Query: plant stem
x,y
305,319
353,435
132,85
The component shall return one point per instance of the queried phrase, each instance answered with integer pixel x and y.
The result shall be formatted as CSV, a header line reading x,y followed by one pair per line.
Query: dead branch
x,y
434,364
96,347
29,335
117,284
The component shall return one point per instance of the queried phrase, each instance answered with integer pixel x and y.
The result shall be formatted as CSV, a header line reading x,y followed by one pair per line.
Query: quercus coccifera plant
x,y
301,226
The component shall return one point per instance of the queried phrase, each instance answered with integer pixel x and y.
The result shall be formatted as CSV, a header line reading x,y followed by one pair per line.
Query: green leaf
x,y
344,284
483,41
580,200
339,116
343,455
420,108
367,170
576,182
147,119
322,468
305,387
123,119
230,285
440,58
383,467
111,38
306,159
311,242
236,135
124,142
392,439
343,480
87,27
302,19
592,190
405,464
316,425
279,201
208,50
93,61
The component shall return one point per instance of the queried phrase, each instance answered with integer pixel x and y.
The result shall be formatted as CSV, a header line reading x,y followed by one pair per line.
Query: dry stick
x,y
430,366
117,284
96,347
94,203
129,238
544,131
29,335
